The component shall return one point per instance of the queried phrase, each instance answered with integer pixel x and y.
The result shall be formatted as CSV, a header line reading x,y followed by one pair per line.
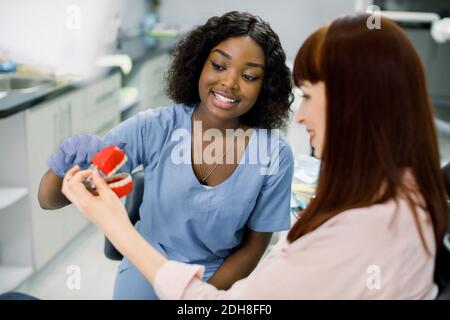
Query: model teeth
x,y
224,99
126,179
121,163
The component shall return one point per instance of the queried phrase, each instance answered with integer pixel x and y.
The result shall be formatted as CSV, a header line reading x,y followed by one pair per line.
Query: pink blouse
x,y
366,253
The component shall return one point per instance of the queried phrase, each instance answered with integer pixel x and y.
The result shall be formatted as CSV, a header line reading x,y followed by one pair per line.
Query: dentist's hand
x,y
104,209
75,150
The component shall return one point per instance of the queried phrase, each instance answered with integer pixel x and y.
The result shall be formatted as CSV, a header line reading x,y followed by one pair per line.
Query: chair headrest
x,y
446,173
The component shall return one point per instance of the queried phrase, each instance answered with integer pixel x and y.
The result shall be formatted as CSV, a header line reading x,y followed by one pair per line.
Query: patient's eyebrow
x,y
250,64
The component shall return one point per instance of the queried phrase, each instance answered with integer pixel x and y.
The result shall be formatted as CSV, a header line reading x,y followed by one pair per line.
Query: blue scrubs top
x,y
181,218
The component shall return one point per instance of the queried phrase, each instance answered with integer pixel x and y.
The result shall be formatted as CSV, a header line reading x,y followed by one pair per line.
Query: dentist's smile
x,y
224,101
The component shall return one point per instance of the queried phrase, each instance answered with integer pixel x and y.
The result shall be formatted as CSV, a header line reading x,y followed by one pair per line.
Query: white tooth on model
x,y
121,183
113,171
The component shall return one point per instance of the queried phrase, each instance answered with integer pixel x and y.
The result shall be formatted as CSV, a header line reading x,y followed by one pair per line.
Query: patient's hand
x,y
104,209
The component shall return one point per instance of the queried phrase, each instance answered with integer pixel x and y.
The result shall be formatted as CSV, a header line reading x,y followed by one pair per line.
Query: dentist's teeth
x,y
224,99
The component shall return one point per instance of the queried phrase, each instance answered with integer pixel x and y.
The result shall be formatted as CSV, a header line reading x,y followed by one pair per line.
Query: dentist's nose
x,y
229,81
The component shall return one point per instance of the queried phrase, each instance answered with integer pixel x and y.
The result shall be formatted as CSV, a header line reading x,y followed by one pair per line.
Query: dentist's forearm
x,y
49,194
141,254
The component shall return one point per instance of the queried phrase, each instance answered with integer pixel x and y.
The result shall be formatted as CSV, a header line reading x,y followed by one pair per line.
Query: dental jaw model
x,y
108,161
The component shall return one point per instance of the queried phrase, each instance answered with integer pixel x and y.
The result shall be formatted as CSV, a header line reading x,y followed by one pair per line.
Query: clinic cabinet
x,y
29,235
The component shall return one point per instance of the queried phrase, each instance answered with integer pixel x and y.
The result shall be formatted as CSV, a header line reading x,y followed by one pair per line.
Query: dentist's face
x,y
312,113
232,77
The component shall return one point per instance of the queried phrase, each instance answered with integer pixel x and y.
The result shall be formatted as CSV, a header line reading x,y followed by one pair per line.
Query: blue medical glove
x,y
75,150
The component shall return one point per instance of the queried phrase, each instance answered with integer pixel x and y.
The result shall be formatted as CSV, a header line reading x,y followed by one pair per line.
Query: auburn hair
x,y
379,122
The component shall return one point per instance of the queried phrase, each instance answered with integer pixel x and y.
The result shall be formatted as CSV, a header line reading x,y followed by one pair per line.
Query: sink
x,y
24,83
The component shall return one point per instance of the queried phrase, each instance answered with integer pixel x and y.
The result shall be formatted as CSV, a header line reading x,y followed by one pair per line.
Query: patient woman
x,y
380,210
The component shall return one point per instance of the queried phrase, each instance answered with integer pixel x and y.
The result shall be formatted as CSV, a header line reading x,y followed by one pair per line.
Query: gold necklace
x,y
204,178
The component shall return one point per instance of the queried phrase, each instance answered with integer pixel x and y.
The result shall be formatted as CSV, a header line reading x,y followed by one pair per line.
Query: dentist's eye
x,y
217,67
249,77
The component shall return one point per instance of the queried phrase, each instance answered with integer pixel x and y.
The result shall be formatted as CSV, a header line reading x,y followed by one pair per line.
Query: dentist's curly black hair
x,y
271,109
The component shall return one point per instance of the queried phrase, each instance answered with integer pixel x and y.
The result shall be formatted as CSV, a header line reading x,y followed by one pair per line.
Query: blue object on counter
x,y
147,24
306,169
7,67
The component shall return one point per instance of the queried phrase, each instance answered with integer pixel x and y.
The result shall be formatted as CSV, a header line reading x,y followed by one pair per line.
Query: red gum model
x,y
108,161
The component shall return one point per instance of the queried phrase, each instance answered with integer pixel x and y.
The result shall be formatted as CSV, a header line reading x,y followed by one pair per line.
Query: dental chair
x,y
442,270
